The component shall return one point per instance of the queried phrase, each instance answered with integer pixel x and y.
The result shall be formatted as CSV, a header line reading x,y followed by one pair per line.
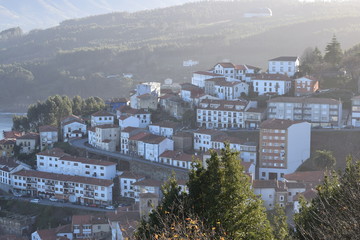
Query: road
x,y
47,202
80,143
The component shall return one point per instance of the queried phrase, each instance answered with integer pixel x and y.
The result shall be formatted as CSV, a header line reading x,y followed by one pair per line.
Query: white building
x,y
141,114
56,161
271,83
242,70
84,190
125,134
355,111
323,112
101,118
284,145
284,65
189,92
306,85
222,113
28,143
7,167
226,90
198,78
226,69
152,88
48,136
147,186
177,159
105,137
61,232
127,179
74,128
128,121
164,128
203,139
152,146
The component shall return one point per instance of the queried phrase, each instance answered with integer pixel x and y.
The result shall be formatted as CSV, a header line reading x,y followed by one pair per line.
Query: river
x,y
6,122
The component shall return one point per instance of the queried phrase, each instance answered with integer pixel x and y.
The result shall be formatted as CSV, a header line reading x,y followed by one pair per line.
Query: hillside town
x,y
174,126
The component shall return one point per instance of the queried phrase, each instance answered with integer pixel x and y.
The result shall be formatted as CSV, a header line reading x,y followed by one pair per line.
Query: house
x,y
147,186
226,90
189,92
123,224
90,227
127,179
73,127
141,114
274,192
286,65
12,135
151,88
324,112
177,159
253,117
308,195
28,143
125,134
147,101
305,86
203,139
57,161
59,233
105,137
222,113
355,111
174,105
48,136
114,103
129,121
271,83
7,147
150,146
83,190
183,141
242,70
283,146
311,179
226,69
101,118
198,78
7,167
164,128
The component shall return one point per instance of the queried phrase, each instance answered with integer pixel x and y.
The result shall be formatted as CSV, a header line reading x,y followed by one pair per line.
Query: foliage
x,y
218,194
333,52
279,224
334,213
189,119
67,148
116,195
20,123
324,159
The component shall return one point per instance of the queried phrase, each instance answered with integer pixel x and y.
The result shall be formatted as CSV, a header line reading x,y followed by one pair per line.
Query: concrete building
x,y
147,186
177,159
325,112
58,233
164,128
242,70
183,141
83,190
253,117
305,86
143,116
203,139
125,135
355,111
284,145
226,90
198,78
73,127
48,136
28,143
90,227
271,84
7,147
7,167
147,101
102,118
57,161
284,65
127,179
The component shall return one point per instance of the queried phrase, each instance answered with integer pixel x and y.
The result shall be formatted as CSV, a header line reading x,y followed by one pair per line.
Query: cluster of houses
x,y
217,98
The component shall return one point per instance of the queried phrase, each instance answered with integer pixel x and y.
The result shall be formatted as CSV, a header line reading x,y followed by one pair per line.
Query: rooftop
x,y
48,128
304,100
271,77
306,176
278,123
128,174
102,114
285,59
207,73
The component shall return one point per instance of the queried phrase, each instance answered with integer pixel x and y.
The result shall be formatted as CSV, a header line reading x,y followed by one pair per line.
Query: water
x,y
6,122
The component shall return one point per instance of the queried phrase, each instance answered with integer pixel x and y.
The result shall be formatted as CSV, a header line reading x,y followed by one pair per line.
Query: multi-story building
x,y
147,186
318,111
164,128
84,190
151,146
253,117
7,147
226,69
28,143
101,118
105,137
226,90
283,146
56,161
241,72
125,134
306,86
355,111
7,167
141,114
73,127
271,84
61,232
222,114
203,139
284,65
127,179
189,92
147,101
48,136
199,78
151,88
177,159
90,227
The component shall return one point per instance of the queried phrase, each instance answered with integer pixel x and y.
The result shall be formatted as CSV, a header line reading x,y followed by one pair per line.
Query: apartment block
x,y
287,65
283,146
102,118
325,112
355,111
271,84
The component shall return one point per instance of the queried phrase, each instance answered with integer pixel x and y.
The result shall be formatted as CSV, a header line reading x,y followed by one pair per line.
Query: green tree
x,y
116,191
324,159
333,52
20,123
279,224
77,105
334,212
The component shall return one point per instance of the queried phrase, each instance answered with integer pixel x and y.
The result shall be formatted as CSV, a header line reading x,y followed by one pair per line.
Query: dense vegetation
x,y
88,56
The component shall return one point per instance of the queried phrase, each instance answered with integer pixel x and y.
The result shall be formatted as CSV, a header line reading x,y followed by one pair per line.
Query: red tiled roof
x,y
285,59
48,234
81,219
305,100
138,136
102,114
226,65
48,128
278,123
210,132
65,178
175,155
131,111
7,142
308,195
87,160
129,129
74,120
30,135
12,134
207,73
153,139
148,182
306,176
166,124
55,152
105,126
308,77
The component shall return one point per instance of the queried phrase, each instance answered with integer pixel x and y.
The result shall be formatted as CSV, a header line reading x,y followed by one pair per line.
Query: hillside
x,y
78,56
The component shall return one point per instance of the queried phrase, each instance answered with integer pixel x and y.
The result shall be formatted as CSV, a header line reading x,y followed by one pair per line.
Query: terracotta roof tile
x,y
102,114
48,128
285,59
278,123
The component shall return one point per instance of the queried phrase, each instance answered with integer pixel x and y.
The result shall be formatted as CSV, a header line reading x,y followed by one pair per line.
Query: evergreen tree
x,y
333,52
279,224
116,191
324,159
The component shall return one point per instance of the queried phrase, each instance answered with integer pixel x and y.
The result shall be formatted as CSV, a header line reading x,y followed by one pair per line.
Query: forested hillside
x,y
77,57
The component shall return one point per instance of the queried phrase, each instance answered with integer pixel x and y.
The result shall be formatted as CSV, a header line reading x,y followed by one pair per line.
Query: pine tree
x,y
333,52
116,191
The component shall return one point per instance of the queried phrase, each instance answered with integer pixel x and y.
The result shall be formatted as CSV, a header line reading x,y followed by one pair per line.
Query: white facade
x,y
129,121
318,111
48,136
107,137
203,139
81,189
127,179
247,151
101,118
271,83
165,129
151,149
59,162
74,129
226,69
355,111
28,143
284,65
143,116
198,78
